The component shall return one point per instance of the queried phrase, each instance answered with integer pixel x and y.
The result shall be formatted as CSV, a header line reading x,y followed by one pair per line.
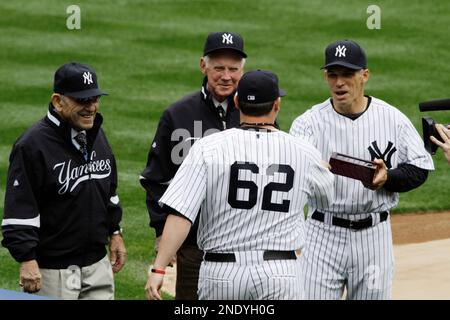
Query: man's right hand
x,y
174,258
153,286
30,277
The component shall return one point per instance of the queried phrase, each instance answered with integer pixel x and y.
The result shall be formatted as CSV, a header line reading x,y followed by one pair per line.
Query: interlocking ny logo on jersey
x,y
87,78
375,153
227,38
340,51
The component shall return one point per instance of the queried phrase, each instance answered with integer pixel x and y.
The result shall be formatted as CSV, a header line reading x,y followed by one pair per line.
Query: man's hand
x,y
117,252
445,135
175,232
174,258
380,176
153,286
30,277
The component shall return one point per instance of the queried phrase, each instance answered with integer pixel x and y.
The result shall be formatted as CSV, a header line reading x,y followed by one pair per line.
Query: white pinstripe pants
x,y
361,261
250,278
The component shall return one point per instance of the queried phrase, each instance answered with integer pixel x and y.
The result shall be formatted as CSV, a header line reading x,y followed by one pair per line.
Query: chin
x,y
84,126
223,94
341,101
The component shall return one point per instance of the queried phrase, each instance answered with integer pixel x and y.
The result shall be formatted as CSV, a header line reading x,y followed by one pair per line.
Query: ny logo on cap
x,y
340,50
87,78
227,38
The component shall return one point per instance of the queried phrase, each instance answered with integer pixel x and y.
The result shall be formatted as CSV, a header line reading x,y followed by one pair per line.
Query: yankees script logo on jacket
x,y
71,228
71,176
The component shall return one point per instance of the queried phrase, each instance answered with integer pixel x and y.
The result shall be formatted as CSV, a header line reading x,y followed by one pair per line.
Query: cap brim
x,y
240,52
342,64
282,93
86,93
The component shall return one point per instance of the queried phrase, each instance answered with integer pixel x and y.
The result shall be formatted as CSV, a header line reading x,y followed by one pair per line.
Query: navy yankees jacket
x,y
59,208
181,124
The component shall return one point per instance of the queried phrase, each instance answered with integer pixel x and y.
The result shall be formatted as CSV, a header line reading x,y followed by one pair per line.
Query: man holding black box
x,y
349,244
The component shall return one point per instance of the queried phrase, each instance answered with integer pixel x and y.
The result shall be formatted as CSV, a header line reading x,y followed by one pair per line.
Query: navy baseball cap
x,y
224,40
259,86
76,80
345,53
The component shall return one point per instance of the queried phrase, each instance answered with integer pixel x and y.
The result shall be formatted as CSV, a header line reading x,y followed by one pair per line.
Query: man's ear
x,y
57,101
277,104
203,66
236,101
366,75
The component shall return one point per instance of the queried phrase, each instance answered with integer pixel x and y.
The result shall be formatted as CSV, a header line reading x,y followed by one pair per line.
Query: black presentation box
x,y
352,167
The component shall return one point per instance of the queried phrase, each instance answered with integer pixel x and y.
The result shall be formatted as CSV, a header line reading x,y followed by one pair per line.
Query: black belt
x,y
350,224
267,255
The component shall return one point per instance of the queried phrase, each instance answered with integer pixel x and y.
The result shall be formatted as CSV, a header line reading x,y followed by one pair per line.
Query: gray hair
x,y
207,57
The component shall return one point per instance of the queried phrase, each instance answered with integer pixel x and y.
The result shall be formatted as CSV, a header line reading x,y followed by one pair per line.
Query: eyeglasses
x,y
87,101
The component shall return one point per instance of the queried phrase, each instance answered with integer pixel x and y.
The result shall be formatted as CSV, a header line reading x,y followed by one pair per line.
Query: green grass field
x,y
146,55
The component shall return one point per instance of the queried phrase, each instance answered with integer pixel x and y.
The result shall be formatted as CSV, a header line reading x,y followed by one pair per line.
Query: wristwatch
x,y
118,232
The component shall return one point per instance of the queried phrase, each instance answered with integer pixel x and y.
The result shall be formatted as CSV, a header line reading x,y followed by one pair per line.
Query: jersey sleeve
x,y
301,127
21,220
411,149
321,183
187,190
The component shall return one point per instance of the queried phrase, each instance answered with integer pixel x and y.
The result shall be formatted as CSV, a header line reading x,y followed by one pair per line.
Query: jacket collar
x,y
64,128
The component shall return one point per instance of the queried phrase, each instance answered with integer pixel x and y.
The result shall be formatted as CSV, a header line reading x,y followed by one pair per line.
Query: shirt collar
x,y
73,134
224,103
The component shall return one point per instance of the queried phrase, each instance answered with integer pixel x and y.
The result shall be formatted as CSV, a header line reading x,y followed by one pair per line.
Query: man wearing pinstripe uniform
x,y
251,184
349,243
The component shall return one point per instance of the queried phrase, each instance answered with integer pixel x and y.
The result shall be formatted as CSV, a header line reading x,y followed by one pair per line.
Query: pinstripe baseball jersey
x,y
382,131
251,186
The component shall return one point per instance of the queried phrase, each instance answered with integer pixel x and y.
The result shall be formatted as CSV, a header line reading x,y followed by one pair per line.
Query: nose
x,y
340,81
90,106
226,75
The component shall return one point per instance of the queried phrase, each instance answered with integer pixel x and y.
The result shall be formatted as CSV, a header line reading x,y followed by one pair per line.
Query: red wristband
x,y
160,271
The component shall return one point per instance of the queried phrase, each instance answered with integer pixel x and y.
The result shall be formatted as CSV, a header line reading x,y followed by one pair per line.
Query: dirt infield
x,y
422,257
420,227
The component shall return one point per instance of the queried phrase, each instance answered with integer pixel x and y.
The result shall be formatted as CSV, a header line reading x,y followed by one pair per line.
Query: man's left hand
x,y
117,252
380,176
